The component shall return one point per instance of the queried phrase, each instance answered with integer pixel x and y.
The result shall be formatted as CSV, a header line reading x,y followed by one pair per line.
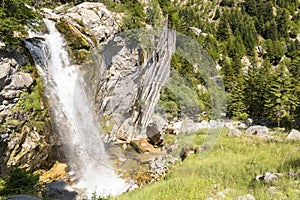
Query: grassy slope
x,y
233,163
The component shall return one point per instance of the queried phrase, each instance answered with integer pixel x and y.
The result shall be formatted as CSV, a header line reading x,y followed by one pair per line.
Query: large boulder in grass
x,y
293,135
234,132
257,130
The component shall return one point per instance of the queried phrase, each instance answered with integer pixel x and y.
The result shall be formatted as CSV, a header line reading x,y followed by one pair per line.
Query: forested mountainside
x,y
255,44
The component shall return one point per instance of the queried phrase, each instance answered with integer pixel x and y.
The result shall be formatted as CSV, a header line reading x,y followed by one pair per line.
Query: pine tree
x,y
224,30
283,22
280,101
257,80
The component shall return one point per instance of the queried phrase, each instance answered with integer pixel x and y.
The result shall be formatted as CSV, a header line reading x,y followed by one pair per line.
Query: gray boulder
x,y
22,197
234,132
257,130
60,190
293,135
20,80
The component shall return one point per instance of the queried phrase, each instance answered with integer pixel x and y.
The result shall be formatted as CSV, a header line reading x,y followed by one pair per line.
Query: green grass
x,y
232,164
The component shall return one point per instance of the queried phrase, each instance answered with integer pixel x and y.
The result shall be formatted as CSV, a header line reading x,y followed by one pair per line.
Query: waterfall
x,y
73,115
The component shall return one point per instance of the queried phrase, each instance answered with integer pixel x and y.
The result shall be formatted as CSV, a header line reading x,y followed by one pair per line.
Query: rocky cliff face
x,y
25,129
131,82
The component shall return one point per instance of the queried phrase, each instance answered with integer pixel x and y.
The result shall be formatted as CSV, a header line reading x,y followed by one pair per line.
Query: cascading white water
x,y
73,115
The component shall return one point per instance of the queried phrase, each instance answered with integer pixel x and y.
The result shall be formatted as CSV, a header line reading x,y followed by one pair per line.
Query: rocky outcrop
x,y
25,129
88,20
130,83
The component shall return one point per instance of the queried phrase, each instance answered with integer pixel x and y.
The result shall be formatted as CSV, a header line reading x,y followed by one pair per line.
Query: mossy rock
x,y
78,45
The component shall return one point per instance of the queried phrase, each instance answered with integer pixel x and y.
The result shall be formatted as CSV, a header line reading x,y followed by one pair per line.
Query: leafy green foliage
x,y
13,16
19,181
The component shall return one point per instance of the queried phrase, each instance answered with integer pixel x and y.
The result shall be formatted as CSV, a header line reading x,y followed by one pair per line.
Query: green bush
x,y
19,181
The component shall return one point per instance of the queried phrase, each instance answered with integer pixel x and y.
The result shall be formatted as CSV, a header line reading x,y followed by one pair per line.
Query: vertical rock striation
x,y
131,78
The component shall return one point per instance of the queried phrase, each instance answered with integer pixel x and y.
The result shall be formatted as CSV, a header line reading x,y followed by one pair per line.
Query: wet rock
x,y
22,197
57,172
142,146
293,135
246,197
257,130
60,190
234,133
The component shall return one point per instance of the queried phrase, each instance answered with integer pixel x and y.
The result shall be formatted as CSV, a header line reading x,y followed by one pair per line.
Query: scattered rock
x,y
186,151
143,146
293,175
172,127
216,123
190,126
234,133
293,135
221,195
246,197
22,197
267,177
243,125
228,190
60,190
197,31
257,130
273,189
